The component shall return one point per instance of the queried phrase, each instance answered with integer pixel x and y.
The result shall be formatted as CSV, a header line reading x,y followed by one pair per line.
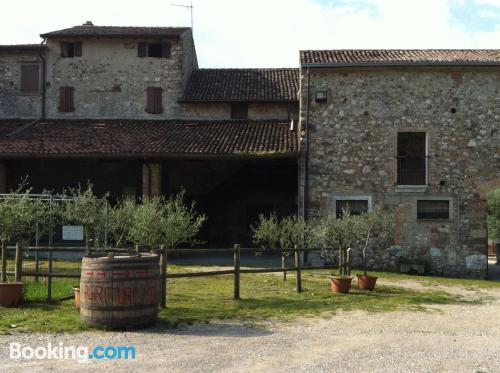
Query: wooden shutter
x,y
78,48
165,50
30,78
66,99
154,100
142,49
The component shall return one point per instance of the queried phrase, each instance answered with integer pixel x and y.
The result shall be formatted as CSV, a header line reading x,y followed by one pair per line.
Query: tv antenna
x,y
190,7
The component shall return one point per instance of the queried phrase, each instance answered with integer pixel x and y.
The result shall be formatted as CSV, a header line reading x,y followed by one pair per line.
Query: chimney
x,y
88,23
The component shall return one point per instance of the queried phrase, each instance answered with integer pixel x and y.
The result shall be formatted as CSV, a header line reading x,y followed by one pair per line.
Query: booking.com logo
x,y
78,353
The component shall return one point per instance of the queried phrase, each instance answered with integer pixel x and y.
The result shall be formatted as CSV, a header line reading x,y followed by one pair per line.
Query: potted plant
x,y
342,233
379,224
18,215
285,233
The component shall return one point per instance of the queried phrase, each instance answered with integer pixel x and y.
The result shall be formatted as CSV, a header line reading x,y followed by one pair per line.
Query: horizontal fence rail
x,y
46,266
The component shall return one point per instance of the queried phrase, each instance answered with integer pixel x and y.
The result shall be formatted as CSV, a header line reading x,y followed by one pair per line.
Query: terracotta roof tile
x,y
400,56
151,137
257,85
91,31
14,48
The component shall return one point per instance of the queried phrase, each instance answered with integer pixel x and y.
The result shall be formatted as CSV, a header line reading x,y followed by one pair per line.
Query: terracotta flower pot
x,y
77,297
367,282
10,294
340,284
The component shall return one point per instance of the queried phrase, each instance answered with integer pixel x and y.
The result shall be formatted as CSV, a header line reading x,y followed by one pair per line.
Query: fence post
x,y
19,263
4,261
51,242
297,265
236,271
49,279
163,276
37,259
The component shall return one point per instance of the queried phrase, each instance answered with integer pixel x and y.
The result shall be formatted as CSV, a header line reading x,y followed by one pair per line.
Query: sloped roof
x,y
257,85
131,138
16,48
355,57
91,31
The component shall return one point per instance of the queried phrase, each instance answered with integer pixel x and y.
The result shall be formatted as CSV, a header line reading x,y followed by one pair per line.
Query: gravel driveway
x,y
448,338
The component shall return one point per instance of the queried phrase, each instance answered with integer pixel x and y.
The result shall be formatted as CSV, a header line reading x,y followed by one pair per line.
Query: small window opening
x,y
354,206
412,158
433,209
154,50
239,110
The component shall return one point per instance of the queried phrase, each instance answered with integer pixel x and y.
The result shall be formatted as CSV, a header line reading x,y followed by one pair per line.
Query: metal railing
x,y
412,170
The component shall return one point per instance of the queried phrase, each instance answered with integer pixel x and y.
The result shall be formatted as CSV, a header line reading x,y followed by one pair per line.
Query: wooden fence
x,y
236,271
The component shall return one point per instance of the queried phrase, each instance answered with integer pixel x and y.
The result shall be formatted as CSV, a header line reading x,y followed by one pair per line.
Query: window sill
x,y
434,221
411,188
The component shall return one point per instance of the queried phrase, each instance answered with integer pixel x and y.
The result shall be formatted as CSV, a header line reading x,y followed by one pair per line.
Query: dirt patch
x,y
448,338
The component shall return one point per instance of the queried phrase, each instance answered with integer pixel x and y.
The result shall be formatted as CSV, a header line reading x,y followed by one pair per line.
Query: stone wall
x,y
110,80
222,110
353,148
13,103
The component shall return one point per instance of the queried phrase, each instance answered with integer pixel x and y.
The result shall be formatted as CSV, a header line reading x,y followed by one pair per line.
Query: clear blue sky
x,y
269,33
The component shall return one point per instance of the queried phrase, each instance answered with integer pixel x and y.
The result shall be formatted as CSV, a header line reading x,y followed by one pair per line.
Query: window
x,y
412,158
433,209
71,49
158,50
239,110
30,78
355,206
154,100
66,99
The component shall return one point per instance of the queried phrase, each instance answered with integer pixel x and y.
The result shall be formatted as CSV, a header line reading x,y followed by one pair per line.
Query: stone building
x,y
129,109
413,131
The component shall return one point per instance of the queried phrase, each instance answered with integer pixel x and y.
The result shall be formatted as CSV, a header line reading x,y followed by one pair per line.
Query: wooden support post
x,y
297,265
236,271
19,263
4,262
163,276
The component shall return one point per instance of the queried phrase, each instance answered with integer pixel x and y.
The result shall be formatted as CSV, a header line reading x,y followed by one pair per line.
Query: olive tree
x,y
159,221
19,214
331,232
84,208
377,223
284,233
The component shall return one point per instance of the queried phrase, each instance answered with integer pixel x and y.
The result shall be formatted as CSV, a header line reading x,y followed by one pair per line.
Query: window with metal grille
x,y
71,49
66,99
412,158
154,100
30,78
354,206
433,209
239,110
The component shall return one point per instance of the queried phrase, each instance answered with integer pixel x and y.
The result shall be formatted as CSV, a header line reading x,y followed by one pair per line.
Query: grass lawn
x,y
264,296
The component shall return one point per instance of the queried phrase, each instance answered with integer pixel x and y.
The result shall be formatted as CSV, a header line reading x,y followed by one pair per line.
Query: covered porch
x,y
233,170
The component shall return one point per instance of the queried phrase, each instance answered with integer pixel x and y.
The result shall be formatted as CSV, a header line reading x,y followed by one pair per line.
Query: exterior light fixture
x,y
321,96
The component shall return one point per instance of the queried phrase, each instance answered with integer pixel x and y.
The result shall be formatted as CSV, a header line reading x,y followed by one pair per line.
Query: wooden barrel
x,y
120,291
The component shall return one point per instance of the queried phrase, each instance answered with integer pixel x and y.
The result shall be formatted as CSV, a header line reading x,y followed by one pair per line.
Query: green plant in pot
x,y
285,233
343,233
374,224
18,217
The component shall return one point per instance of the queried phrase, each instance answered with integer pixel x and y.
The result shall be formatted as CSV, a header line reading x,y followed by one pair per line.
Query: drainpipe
x,y
44,63
306,163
